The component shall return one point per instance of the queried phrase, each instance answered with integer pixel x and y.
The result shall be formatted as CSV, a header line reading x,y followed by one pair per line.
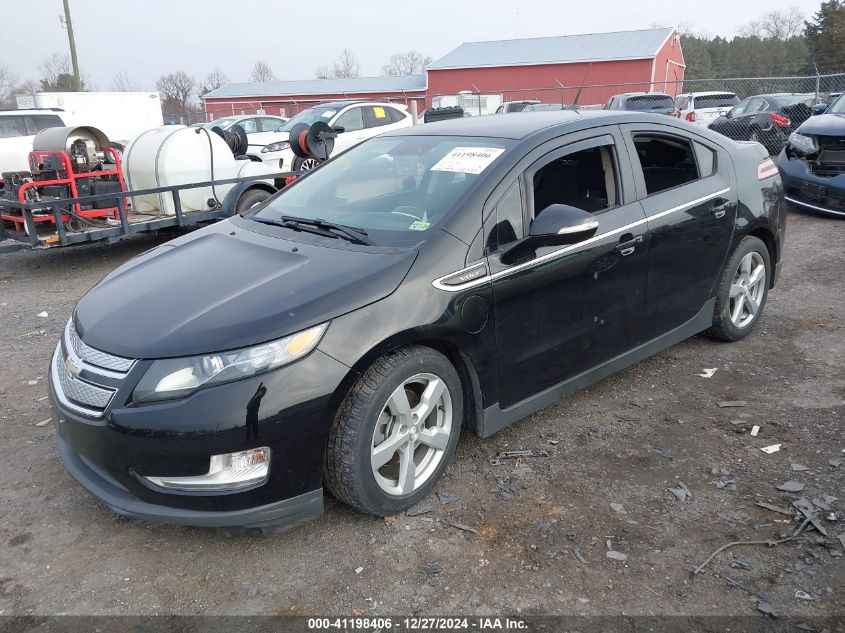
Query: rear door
x,y
571,308
687,188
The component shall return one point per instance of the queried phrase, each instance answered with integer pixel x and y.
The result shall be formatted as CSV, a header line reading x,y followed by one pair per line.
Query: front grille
x,y
93,398
95,356
86,379
831,160
827,201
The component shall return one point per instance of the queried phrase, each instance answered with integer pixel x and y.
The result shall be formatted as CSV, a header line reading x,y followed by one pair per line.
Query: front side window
x,y
249,125
585,179
269,125
508,226
37,122
666,161
351,121
11,126
398,189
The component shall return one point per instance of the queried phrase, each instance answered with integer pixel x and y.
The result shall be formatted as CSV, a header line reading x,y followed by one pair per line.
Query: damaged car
x,y
435,280
813,163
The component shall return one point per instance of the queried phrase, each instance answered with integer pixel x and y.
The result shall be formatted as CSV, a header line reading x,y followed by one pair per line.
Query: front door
x,y
568,309
685,183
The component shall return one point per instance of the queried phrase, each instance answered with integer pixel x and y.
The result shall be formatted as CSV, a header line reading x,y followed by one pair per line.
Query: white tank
x,y
178,155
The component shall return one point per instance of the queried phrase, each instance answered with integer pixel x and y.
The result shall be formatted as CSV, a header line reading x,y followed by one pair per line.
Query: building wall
x,y
290,105
669,68
601,80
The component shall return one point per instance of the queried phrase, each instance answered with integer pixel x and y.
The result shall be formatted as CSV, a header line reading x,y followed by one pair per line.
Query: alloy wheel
x,y
747,289
308,164
412,434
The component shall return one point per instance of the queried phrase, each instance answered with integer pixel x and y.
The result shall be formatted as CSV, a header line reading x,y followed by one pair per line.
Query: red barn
x,y
554,69
590,68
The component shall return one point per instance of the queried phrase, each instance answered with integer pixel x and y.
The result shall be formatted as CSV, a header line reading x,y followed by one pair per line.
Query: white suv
x,y
17,129
702,108
354,122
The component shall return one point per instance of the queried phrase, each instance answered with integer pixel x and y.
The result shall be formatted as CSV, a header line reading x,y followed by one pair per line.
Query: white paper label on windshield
x,y
328,114
468,160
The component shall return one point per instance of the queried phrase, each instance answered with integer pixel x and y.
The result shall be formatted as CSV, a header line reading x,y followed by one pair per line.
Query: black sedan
x,y
766,119
813,163
446,278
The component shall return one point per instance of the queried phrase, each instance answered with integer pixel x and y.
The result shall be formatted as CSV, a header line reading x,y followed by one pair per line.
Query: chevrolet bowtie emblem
x,y
71,368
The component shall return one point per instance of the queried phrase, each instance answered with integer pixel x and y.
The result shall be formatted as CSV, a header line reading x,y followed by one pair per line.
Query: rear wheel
x,y
304,164
743,290
251,198
395,433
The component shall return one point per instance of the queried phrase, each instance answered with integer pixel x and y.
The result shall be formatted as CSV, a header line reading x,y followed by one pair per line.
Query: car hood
x,y
824,124
222,288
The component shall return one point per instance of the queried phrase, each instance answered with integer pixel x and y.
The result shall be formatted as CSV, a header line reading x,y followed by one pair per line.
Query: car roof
x,y
707,93
527,123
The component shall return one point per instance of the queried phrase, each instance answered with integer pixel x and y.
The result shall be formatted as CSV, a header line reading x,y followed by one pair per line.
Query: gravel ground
x,y
541,526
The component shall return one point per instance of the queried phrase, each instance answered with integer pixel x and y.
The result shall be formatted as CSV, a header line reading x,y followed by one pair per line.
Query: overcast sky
x,y
150,38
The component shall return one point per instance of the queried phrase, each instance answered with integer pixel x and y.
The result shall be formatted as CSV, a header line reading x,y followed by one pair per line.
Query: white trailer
x,y
121,115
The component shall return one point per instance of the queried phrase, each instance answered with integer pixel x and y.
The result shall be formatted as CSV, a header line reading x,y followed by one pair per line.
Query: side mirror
x,y
820,108
339,129
556,225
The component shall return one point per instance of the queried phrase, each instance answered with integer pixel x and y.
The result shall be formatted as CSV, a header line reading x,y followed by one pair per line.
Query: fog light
x,y
231,471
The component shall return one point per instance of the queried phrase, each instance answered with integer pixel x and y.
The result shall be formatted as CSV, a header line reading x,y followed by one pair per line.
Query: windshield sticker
x,y
468,160
379,112
419,225
328,114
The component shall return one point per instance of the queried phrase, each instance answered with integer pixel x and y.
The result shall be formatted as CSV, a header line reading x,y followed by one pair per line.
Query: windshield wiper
x,y
320,227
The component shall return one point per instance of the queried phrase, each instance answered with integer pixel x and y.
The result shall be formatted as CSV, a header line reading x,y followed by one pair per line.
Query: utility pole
x,y
77,80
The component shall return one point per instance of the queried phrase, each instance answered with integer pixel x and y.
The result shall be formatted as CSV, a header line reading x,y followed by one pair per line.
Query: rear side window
x,y
706,160
716,101
11,126
667,161
395,115
376,116
37,122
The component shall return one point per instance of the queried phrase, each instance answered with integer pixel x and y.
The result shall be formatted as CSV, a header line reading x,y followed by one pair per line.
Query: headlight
x,y
177,377
803,144
275,147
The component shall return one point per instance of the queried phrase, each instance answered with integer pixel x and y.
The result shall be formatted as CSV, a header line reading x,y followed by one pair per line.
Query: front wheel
x,y
395,432
304,164
251,198
743,290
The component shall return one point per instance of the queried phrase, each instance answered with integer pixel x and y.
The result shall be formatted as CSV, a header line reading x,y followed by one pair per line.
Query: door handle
x,y
628,244
720,211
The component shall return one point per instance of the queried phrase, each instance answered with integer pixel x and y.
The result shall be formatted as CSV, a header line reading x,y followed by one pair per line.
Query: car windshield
x,y
311,115
650,102
716,101
838,106
397,189
224,123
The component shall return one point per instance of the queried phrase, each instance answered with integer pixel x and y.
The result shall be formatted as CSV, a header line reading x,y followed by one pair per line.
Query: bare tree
x,y
7,82
261,72
177,89
346,66
213,80
408,63
777,25
57,73
122,82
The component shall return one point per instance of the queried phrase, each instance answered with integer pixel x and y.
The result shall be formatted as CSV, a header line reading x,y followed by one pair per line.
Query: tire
x,y
730,321
250,198
304,164
369,417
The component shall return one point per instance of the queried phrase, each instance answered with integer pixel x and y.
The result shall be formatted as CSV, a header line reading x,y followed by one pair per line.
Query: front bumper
x,y
121,501
796,174
111,454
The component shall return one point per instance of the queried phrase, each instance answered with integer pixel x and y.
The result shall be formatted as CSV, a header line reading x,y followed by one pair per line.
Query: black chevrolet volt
x,y
446,278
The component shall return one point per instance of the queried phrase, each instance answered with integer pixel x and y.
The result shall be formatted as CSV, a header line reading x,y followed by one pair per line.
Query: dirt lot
x,y
542,524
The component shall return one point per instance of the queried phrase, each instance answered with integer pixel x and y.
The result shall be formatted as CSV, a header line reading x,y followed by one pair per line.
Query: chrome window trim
x,y
438,283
